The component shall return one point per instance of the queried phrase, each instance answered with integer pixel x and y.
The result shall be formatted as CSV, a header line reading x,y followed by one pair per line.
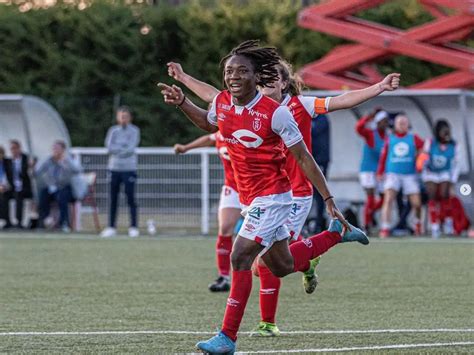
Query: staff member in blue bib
x,y
374,138
440,169
398,164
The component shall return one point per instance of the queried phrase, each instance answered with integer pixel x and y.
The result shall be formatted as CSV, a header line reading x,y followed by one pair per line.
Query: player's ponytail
x,y
295,84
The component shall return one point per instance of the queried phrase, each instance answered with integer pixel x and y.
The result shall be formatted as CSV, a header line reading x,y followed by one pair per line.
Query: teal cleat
x,y
355,235
310,278
219,344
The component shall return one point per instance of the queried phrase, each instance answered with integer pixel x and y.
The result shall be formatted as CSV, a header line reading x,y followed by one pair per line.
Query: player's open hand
x,y
390,82
334,212
175,70
179,149
173,95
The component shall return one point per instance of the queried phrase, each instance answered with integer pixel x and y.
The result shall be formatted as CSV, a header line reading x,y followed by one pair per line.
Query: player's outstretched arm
x,y
204,141
173,95
353,98
205,91
314,174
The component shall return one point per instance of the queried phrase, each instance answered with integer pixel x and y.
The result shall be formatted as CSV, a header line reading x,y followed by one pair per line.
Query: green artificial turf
x,y
57,283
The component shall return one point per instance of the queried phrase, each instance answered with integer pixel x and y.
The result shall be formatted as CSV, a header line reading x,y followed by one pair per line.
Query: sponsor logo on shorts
x,y
232,303
295,208
249,227
256,212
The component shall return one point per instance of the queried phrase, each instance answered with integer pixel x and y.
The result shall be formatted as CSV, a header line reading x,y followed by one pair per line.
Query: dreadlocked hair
x,y
295,83
263,59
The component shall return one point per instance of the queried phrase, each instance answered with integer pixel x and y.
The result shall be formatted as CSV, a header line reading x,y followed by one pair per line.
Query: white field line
x,y
168,236
190,332
358,348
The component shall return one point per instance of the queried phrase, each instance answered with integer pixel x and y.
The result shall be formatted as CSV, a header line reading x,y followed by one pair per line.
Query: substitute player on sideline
x,y
374,139
229,207
256,152
287,91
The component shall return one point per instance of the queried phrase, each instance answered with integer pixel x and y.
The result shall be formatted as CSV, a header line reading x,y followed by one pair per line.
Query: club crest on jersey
x,y
247,138
257,124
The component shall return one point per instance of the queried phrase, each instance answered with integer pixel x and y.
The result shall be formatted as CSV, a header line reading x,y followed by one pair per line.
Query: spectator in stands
x,y
121,143
374,138
21,179
56,176
398,165
440,169
321,150
6,183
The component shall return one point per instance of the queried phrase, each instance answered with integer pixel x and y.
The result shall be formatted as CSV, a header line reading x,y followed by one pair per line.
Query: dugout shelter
x,y
423,107
33,121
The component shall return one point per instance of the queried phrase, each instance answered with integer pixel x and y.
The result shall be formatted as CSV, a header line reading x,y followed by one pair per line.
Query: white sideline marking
x,y
190,332
375,347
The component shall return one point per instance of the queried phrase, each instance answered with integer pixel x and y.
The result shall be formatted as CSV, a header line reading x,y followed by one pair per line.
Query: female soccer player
x,y
440,169
229,208
398,164
287,91
374,139
255,129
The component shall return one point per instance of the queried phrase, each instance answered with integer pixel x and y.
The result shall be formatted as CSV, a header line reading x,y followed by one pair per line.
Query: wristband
x,y
182,102
327,198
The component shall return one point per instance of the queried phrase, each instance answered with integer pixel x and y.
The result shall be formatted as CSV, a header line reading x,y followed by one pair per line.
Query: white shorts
x,y
437,178
229,198
300,209
265,219
408,183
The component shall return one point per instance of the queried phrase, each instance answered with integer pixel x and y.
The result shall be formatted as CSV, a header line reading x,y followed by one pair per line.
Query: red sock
x,y
223,250
433,211
446,210
369,210
269,290
312,247
239,295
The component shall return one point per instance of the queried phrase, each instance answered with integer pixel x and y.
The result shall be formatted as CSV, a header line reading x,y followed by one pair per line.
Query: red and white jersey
x,y
229,179
303,109
254,135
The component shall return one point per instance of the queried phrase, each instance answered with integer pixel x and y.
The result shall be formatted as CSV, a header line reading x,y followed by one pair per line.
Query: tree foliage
x,y
86,61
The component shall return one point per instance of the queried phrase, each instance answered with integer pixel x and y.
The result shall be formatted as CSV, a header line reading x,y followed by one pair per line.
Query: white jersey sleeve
x,y
285,126
315,105
212,113
455,168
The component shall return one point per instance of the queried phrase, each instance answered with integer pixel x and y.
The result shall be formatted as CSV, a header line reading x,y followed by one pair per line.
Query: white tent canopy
x,y
423,107
31,120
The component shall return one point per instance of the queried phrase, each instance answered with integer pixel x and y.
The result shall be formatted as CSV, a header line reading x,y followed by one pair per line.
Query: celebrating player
x,y
287,91
229,208
255,129
374,139
440,169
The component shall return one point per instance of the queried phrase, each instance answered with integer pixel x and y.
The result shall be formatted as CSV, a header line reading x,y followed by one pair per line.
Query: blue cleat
x,y
219,344
355,235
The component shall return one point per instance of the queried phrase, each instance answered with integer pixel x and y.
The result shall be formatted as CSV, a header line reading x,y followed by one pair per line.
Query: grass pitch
x,y
78,283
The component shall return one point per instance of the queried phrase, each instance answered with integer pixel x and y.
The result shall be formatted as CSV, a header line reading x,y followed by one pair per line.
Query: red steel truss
x,y
353,65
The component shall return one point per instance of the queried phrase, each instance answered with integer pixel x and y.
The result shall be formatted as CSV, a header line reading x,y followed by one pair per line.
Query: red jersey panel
x,y
254,147
300,184
229,179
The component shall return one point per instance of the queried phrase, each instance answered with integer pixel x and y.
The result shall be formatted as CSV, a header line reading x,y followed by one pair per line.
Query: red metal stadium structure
x,y
351,66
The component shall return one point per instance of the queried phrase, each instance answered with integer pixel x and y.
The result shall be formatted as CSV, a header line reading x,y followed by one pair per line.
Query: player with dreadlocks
x,y
256,130
287,90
